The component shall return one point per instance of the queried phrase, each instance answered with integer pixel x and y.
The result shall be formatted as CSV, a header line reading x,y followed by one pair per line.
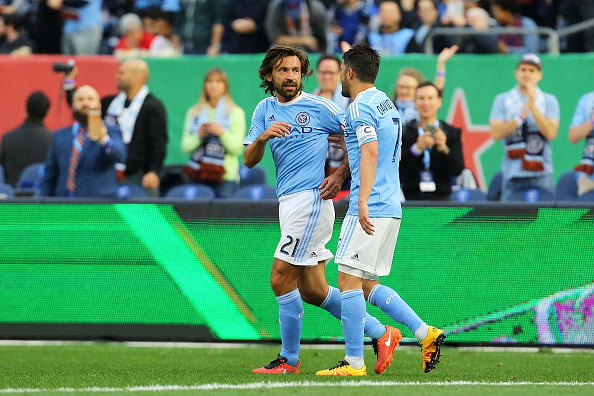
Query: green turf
x,y
45,369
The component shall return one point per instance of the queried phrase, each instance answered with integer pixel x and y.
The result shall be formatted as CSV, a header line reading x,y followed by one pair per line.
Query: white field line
x,y
276,385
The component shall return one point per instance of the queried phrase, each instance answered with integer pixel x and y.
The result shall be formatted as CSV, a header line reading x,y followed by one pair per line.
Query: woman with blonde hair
x,y
213,133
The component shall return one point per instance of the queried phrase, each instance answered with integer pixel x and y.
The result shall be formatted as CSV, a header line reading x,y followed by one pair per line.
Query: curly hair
x,y
273,57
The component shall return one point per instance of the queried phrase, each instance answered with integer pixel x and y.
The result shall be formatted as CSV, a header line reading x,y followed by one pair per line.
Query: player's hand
x,y
277,130
337,141
330,186
365,220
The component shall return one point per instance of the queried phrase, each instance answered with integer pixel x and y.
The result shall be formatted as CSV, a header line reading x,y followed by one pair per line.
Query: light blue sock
x,y
353,321
373,327
290,312
390,302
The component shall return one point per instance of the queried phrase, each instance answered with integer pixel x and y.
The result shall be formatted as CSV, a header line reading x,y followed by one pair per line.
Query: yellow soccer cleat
x,y
343,369
430,348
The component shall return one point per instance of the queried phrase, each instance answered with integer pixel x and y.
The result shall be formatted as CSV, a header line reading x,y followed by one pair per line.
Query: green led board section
x,y
486,274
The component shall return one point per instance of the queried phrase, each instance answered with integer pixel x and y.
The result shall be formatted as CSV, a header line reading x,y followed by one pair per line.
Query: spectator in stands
x,y
328,77
300,23
81,158
48,26
135,41
83,28
582,128
528,120
244,27
349,23
329,87
29,142
14,40
506,15
409,78
200,25
142,119
478,19
428,19
431,150
213,134
390,38
575,11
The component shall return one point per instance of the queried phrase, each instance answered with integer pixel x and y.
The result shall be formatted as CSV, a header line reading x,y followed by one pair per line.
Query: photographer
x,y
431,150
142,119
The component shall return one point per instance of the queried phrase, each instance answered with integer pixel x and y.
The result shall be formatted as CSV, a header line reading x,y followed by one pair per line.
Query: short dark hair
x,y
271,59
506,5
364,61
38,105
327,57
429,84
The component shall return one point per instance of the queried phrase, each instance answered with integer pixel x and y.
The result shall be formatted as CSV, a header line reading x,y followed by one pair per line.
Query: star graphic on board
x,y
476,139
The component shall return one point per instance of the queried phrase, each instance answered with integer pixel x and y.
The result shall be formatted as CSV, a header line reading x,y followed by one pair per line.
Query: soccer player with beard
x,y
297,126
373,137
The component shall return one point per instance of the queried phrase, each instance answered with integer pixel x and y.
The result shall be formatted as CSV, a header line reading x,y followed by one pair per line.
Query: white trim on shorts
x,y
367,256
306,223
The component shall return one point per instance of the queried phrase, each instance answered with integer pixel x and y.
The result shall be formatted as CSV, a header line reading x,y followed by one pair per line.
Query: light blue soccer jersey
x,y
372,116
299,157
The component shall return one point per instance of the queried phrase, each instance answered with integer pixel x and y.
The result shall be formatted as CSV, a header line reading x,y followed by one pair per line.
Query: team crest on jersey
x,y
302,119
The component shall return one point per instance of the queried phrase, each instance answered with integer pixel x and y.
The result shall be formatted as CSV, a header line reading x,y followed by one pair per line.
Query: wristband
x,y
519,119
592,122
440,73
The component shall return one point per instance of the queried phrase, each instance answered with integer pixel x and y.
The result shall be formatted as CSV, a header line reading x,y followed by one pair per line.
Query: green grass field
x,y
122,369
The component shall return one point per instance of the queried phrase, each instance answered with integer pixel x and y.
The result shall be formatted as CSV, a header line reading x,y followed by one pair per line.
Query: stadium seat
x,y
494,190
30,180
465,180
127,191
1,174
172,176
249,176
191,191
533,195
467,194
587,197
6,191
566,188
256,192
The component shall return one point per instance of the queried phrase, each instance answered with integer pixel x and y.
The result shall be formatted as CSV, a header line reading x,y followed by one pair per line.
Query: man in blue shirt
x,y
373,137
297,125
527,119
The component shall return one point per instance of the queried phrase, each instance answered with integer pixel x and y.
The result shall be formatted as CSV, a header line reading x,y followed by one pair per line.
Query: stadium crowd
x,y
214,27
143,28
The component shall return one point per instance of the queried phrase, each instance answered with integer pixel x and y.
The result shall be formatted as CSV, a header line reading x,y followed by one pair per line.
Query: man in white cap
x,y
528,120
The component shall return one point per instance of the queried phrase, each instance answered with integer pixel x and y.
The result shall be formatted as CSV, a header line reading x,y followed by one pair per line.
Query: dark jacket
x,y
147,149
28,144
444,166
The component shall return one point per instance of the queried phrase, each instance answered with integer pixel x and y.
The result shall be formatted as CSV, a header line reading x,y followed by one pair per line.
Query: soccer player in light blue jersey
x,y
373,137
296,125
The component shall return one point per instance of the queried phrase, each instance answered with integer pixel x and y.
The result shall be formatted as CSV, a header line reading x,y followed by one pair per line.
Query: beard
x,y
80,116
288,90
345,90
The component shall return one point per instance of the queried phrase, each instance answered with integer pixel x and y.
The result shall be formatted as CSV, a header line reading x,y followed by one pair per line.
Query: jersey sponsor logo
x,y
302,119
